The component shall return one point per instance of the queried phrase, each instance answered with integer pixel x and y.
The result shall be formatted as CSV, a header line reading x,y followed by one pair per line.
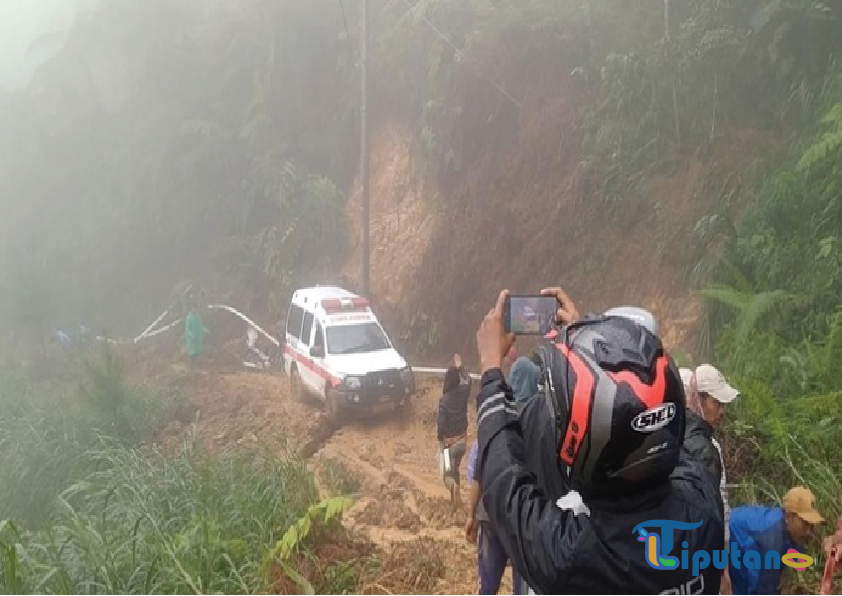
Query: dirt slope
x,y
402,221
403,507
524,209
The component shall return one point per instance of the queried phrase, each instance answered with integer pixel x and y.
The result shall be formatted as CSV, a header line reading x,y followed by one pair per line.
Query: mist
x,y
30,32
161,157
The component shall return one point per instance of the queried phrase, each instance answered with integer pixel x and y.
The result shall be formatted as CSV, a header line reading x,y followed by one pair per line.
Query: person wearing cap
x,y
698,439
714,391
707,413
764,529
707,394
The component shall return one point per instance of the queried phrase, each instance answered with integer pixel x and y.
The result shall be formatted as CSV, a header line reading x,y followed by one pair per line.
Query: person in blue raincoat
x,y
763,529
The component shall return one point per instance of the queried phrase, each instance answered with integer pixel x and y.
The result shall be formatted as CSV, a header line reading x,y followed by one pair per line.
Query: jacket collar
x,y
697,423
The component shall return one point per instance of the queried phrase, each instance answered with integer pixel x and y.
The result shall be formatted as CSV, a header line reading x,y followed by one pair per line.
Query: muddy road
x,y
389,460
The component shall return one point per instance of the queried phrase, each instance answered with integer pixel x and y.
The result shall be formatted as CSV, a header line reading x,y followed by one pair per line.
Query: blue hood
x,y
524,376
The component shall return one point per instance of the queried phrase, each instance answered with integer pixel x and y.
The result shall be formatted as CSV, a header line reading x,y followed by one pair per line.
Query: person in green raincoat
x,y
194,335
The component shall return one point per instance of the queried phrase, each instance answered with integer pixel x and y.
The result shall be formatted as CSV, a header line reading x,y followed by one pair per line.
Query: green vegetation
x,y
89,505
667,82
47,429
219,145
780,282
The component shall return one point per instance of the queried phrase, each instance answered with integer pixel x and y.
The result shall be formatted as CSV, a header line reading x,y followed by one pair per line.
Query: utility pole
x,y
668,50
364,157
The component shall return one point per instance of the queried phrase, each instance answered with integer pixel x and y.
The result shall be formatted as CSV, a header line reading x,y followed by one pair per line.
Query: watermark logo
x,y
658,547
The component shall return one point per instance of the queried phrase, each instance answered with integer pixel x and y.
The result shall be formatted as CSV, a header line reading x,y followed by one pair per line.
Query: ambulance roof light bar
x,y
335,305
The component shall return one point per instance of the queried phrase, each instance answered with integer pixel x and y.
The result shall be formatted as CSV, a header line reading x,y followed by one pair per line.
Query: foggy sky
x,y
21,23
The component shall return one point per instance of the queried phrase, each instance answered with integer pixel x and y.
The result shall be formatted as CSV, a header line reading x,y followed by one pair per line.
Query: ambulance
x,y
336,351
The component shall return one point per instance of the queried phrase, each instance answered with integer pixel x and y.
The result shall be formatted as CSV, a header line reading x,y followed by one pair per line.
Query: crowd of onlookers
x,y
506,503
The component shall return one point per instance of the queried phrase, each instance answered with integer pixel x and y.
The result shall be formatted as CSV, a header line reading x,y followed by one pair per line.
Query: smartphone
x,y
529,314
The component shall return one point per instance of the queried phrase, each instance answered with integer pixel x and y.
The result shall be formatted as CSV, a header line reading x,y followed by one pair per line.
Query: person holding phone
x,y
566,519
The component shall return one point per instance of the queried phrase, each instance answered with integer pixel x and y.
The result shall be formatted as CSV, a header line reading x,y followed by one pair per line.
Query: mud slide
x,y
401,506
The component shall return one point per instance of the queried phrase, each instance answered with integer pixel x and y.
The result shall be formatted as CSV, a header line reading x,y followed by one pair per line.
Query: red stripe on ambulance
x,y
310,365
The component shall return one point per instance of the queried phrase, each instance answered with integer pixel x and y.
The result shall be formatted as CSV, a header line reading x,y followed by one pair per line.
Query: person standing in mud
x,y
194,334
491,556
452,425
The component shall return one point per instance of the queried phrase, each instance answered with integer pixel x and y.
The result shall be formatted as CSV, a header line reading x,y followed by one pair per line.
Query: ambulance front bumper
x,y
376,388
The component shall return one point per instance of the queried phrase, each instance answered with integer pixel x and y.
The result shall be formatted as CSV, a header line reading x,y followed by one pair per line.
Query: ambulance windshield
x,y
356,339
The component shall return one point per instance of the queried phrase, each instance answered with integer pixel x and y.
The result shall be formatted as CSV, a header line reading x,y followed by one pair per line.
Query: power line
x,y
460,54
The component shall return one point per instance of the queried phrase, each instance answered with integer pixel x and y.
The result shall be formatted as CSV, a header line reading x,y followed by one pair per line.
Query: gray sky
x,y
21,22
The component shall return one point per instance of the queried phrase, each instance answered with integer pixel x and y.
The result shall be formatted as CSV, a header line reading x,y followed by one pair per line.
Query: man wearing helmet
x,y
615,401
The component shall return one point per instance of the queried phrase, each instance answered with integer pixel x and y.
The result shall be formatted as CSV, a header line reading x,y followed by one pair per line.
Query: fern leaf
x,y
336,507
751,307
300,530
299,579
759,305
728,296
833,351
742,282
833,116
829,143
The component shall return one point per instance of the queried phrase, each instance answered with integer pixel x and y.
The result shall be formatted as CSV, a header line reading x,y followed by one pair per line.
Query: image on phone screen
x,y
530,315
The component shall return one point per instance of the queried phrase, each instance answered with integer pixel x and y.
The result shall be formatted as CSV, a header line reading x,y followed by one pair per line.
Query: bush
x,y
145,522
88,504
781,343
46,431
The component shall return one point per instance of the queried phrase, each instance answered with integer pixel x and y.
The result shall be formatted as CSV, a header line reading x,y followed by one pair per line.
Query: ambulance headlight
x,y
353,382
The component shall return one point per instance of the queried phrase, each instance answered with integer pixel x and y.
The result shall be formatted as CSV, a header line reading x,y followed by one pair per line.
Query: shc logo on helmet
x,y
654,418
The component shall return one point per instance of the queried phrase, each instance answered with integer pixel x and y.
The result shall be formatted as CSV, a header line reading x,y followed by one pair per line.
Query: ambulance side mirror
x,y
317,352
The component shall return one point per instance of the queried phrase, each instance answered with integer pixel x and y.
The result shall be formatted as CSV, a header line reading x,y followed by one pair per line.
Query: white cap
x,y
709,380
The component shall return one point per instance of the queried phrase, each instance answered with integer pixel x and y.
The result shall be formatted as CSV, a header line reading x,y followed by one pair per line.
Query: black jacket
x,y
541,436
700,447
559,553
453,406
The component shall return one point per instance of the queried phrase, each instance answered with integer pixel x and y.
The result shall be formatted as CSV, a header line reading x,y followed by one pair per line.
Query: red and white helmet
x,y
619,401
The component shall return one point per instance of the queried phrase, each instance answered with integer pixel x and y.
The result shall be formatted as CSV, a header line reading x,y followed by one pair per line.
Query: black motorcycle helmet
x,y
619,404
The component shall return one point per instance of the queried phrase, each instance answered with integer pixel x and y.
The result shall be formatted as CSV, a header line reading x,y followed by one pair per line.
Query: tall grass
x,y
786,355
90,505
767,482
148,522
46,428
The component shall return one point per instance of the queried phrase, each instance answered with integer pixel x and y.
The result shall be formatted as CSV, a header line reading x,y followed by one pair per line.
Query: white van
x,y
336,350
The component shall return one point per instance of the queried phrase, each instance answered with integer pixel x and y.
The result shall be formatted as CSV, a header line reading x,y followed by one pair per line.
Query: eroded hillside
x,y
525,211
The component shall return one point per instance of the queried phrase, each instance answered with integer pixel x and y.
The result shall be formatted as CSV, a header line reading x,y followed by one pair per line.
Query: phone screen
x,y
530,315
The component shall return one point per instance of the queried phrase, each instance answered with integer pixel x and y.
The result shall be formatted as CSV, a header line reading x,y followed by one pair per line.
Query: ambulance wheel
x,y
295,386
334,412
